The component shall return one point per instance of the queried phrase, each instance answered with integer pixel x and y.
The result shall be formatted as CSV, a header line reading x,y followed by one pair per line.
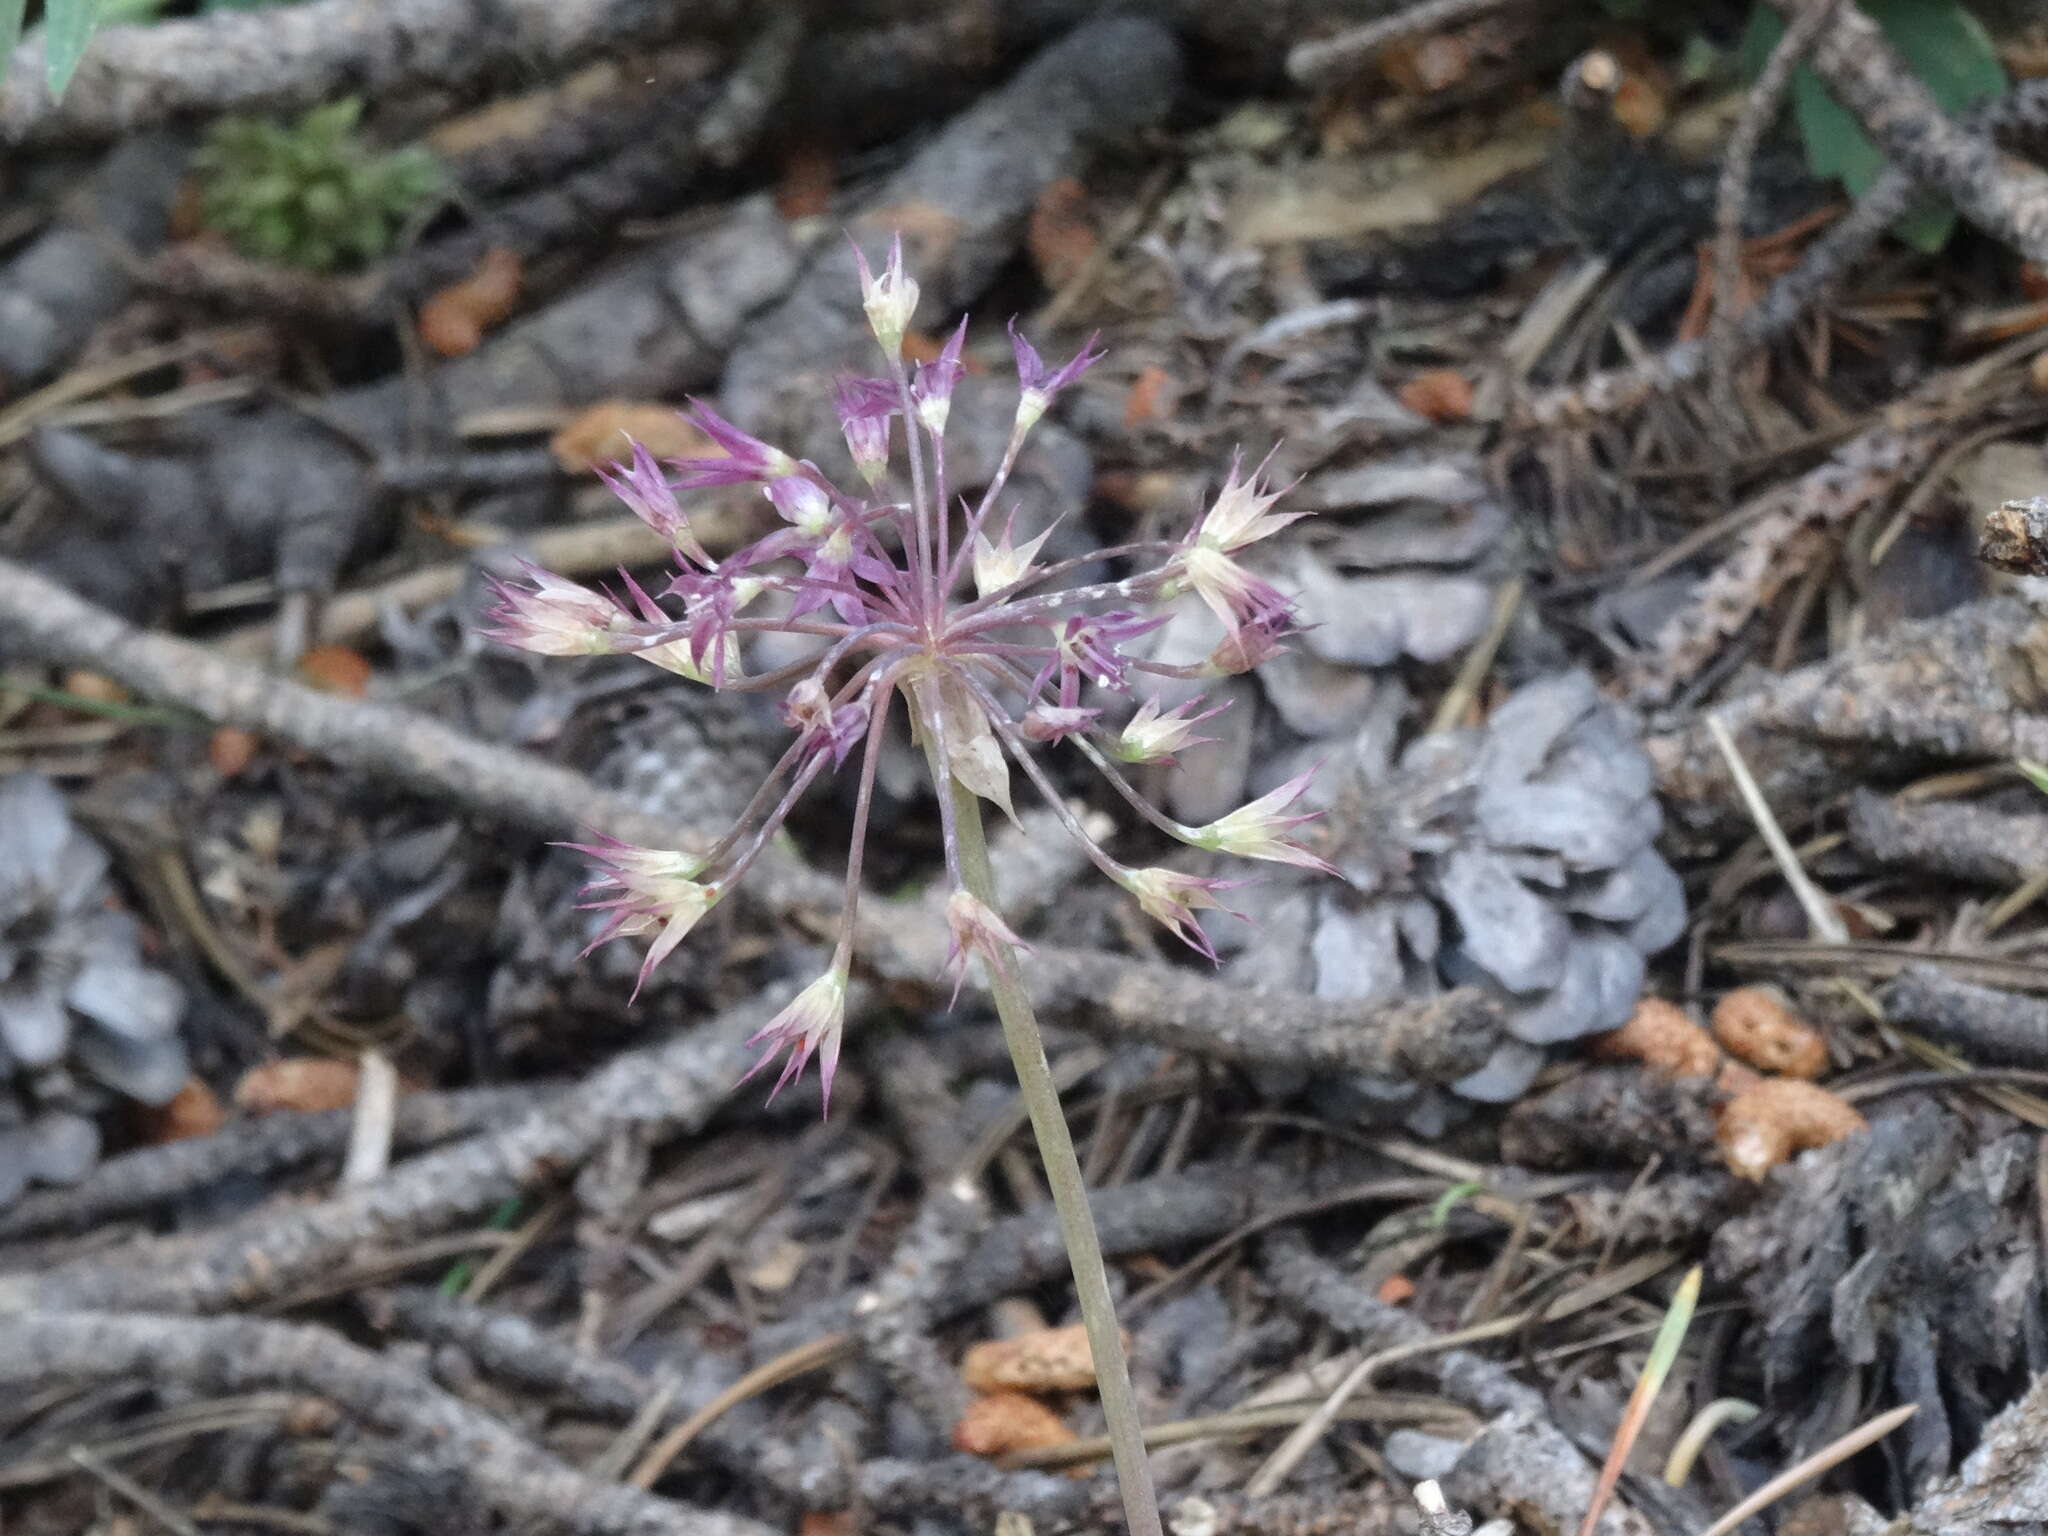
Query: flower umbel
x,y
871,582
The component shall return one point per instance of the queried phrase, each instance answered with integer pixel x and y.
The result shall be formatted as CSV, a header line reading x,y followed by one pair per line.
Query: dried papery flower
x,y
811,1023
870,582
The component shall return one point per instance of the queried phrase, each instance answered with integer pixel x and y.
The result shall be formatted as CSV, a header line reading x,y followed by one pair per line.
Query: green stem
x,y
1069,1193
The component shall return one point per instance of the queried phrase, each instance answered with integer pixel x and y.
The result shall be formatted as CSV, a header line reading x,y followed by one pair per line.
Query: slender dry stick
x,y
1063,1175
1766,96
1827,1456
1331,58
1821,916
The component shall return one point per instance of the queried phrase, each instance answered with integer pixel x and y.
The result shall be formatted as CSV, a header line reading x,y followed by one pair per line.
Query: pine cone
x,y
688,755
83,1021
1519,857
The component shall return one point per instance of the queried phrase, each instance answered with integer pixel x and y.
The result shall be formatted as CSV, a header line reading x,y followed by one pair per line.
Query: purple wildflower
x,y
1150,736
865,406
745,459
812,1022
1255,831
932,387
647,492
808,710
1049,722
1167,896
872,582
643,891
553,616
890,300
974,931
1038,387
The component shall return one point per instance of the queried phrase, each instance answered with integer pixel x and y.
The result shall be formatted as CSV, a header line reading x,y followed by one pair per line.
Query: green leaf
x,y
10,26
1450,1200
1927,226
1947,48
67,27
2036,773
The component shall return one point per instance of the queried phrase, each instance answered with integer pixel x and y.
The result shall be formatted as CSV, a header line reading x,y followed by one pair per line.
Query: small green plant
x,y
1948,49
311,194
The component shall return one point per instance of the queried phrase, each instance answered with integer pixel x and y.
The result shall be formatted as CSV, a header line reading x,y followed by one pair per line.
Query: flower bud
x,y
1049,722
975,929
889,300
932,389
646,491
1000,566
865,406
550,615
1152,737
743,457
1245,648
808,709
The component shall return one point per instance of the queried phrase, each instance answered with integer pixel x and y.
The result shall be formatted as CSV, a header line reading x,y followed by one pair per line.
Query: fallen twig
x,y
1825,262
1434,1039
39,617
1767,556
1760,111
222,1355
666,1088
151,1177
961,207
1821,917
1984,1023
2003,1484
1866,74
1331,58
510,1347
1967,685
134,76
1831,1455
893,1317
653,173
1958,839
